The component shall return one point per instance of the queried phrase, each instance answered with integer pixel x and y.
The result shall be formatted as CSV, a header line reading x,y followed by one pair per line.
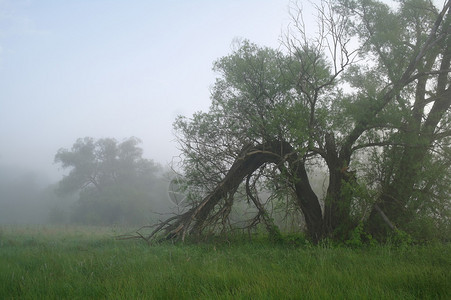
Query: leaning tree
x,y
366,97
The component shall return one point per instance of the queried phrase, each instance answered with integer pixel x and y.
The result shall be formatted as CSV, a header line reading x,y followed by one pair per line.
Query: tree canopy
x,y
115,183
367,98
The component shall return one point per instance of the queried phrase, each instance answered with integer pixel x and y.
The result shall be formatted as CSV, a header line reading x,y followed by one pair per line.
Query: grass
x,y
87,263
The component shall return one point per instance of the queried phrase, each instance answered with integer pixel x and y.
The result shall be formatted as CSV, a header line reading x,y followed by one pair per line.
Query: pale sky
x,y
98,68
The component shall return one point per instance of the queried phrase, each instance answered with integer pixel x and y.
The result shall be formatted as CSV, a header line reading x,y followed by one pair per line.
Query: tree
x,y
367,98
415,54
115,183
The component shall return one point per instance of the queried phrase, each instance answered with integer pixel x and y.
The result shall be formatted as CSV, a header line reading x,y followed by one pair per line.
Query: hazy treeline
x,y
138,190
24,196
29,197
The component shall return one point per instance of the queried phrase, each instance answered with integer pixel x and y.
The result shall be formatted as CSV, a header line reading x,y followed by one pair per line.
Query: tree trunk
x,y
420,137
337,207
307,199
249,160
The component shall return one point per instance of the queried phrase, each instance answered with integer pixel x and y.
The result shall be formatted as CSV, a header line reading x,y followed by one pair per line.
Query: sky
x,y
70,69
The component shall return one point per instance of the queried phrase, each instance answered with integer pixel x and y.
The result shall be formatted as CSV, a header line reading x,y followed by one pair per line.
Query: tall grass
x,y
81,263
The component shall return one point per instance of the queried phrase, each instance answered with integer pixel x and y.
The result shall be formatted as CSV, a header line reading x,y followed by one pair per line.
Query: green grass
x,y
86,263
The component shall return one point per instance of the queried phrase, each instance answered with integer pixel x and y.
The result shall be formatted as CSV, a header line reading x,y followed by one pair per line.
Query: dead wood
x,y
195,220
212,211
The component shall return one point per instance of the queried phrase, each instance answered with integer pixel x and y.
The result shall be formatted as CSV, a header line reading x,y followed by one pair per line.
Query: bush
x,y
359,238
400,239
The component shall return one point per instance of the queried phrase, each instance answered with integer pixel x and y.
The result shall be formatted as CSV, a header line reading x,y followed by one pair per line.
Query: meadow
x,y
42,262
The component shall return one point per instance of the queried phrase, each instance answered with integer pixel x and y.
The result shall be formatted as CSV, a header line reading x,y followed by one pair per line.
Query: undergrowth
x,y
76,263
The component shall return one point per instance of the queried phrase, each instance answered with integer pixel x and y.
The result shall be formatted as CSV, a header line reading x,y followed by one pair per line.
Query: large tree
x,y
367,98
115,183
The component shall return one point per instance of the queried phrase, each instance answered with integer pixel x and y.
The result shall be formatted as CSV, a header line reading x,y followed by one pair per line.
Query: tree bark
x,y
248,161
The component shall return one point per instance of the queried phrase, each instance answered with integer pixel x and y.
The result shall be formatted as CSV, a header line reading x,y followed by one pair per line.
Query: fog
x,y
113,69
71,69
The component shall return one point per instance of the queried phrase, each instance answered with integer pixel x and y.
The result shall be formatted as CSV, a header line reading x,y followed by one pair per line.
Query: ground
x,y
86,262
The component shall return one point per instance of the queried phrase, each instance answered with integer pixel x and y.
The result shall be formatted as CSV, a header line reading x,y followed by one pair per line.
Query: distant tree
x,y
115,183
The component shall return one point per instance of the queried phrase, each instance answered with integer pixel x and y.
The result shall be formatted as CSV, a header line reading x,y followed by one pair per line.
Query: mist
x,y
103,69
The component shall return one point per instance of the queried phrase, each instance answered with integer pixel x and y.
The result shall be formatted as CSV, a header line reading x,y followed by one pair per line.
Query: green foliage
x,y
400,239
380,108
426,229
275,236
359,238
252,101
296,240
